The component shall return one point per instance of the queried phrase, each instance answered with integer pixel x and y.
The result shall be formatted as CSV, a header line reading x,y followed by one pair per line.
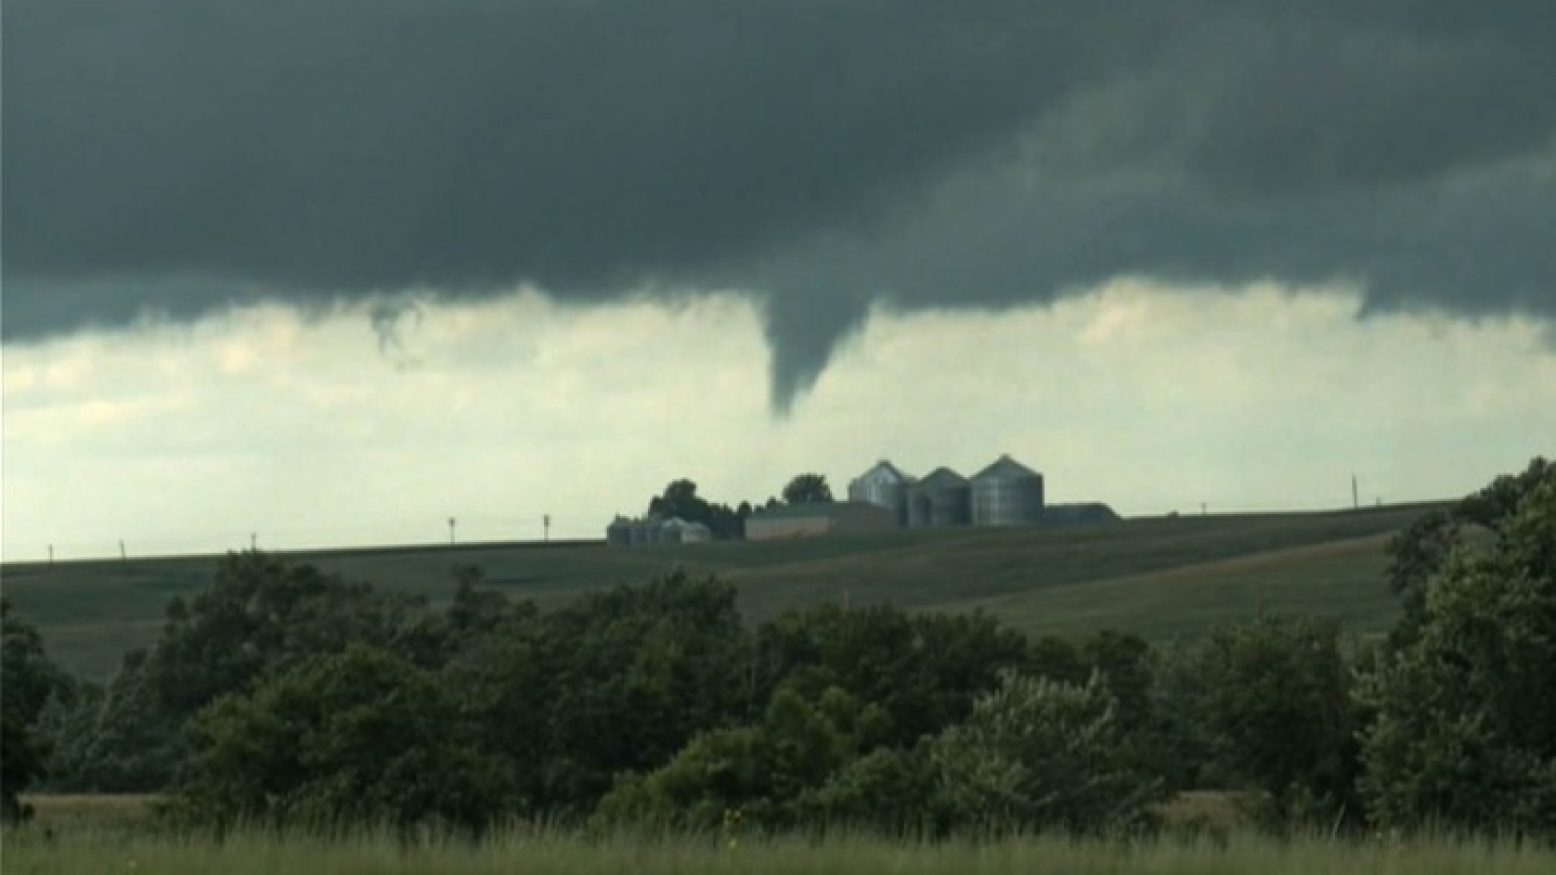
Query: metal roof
x,y
1005,468
942,477
884,470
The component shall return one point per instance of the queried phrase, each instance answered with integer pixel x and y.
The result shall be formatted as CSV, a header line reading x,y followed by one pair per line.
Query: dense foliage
x,y
1278,709
680,499
725,523
1465,732
284,695
807,488
27,680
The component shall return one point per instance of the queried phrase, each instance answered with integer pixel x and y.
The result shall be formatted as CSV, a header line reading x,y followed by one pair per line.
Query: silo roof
x,y
1006,468
885,470
943,477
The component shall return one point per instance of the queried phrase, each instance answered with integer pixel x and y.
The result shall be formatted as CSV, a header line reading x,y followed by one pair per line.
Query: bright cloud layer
x,y
309,432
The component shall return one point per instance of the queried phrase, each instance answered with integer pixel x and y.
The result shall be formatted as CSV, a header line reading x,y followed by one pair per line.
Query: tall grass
x,y
522,851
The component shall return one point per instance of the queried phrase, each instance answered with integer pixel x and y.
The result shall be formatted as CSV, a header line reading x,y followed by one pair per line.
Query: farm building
x,y
820,518
884,485
1083,513
678,531
627,532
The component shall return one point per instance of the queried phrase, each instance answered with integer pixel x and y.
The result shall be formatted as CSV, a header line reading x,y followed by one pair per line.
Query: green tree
x,y
768,772
258,617
923,670
117,739
807,489
1132,671
1057,659
890,790
1124,662
1465,727
1184,744
1422,550
630,675
1277,703
1038,754
680,499
360,737
27,681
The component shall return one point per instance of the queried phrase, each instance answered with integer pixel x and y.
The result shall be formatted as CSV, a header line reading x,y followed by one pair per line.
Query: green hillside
x,y
1159,577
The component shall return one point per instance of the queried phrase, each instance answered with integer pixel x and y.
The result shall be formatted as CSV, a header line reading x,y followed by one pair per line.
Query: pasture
x,y
1160,577
72,847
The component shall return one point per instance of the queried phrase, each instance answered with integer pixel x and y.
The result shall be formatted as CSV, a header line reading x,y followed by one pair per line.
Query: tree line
x,y
680,499
284,695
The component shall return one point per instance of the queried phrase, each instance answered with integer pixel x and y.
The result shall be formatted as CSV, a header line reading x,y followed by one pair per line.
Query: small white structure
x,y
678,531
645,531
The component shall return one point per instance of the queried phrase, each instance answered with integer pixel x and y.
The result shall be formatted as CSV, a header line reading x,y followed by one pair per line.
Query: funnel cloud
x,y
175,159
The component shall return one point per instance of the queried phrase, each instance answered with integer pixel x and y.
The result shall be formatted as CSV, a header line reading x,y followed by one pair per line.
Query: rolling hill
x,y
1160,577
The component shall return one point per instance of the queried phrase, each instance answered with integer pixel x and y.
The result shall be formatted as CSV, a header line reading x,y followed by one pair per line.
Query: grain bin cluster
x,y
1006,493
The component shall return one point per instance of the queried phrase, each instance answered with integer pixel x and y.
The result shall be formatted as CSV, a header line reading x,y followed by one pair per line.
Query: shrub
x,y
1042,754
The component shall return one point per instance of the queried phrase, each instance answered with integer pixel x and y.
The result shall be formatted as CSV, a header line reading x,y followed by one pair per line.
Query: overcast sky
x,y
333,272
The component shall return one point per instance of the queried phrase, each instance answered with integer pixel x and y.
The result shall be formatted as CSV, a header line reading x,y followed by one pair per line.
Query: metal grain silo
x,y
884,485
619,532
1007,493
645,531
942,498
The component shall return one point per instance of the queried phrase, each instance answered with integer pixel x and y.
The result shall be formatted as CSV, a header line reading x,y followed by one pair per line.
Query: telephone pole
x,y
1355,498
451,531
545,522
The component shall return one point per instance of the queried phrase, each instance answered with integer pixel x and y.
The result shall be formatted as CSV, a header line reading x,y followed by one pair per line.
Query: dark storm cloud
x,y
181,156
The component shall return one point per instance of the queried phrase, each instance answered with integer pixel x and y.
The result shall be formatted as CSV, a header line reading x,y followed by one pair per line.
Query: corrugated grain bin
x,y
883,485
943,498
1007,493
619,532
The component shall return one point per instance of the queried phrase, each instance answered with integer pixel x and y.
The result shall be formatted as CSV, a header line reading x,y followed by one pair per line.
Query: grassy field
x,y
33,850
1160,577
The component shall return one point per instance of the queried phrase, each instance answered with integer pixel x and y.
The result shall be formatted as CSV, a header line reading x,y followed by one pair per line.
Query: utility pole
x,y
1355,500
122,556
253,542
451,531
1204,509
545,522
51,554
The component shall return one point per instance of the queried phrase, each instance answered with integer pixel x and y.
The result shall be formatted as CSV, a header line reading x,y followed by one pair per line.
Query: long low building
x,y
819,518
626,532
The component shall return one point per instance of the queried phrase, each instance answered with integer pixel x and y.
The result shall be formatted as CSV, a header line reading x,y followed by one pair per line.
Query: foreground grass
x,y
519,852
